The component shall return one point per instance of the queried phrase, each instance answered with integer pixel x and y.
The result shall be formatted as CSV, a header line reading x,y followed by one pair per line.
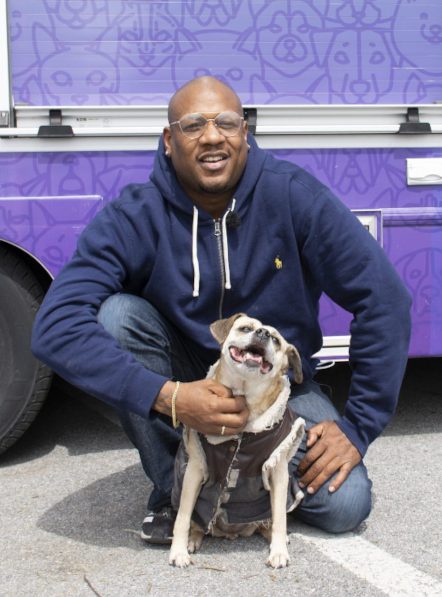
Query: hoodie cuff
x,y
357,438
141,390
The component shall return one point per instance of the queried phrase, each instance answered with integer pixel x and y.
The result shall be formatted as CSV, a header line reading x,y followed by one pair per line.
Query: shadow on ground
x,y
68,420
108,512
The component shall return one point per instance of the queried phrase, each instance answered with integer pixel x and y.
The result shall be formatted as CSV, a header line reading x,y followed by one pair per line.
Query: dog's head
x,y
252,348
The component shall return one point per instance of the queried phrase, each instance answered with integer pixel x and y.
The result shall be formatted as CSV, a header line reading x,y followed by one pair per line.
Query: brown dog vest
x,y
235,487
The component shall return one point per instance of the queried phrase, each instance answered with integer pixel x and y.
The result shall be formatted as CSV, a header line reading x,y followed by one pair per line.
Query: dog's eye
x,y
276,342
245,328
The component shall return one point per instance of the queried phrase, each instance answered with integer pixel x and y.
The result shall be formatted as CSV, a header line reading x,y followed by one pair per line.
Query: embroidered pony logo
x,y
278,262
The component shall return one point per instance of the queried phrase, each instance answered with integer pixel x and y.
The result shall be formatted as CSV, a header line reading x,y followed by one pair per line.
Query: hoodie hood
x,y
165,179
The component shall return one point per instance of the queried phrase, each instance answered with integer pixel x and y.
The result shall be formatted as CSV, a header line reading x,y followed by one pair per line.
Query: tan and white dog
x,y
254,361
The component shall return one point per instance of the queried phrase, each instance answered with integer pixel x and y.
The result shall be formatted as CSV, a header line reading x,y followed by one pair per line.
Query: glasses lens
x,y
193,125
228,123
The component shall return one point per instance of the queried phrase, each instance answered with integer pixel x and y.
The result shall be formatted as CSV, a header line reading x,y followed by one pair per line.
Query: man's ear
x,y
295,362
221,328
167,140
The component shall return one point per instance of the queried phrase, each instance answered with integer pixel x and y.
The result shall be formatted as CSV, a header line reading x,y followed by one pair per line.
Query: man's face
x,y
209,167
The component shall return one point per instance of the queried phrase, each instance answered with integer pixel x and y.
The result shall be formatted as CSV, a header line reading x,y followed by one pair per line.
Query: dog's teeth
x,y
253,357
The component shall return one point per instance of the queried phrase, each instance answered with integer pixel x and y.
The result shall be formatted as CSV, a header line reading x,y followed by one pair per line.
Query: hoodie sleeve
x,y
349,265
67,335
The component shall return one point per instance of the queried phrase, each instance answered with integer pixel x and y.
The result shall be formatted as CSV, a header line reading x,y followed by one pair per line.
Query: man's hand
x,y
329,451
206,406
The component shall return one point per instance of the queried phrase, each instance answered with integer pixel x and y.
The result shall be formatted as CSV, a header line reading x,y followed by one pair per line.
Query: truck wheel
x,y
24,381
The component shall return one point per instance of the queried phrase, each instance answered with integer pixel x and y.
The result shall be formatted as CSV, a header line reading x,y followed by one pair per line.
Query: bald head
x,y
210,88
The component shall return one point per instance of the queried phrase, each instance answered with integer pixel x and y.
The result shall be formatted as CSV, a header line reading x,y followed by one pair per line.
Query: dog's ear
x,y
220,329
295,362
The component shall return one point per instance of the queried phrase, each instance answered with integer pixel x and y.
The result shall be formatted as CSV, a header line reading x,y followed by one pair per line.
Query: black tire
x,y
24,381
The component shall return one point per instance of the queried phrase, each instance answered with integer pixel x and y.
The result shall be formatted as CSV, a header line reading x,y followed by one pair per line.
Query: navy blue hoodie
x,y
295,240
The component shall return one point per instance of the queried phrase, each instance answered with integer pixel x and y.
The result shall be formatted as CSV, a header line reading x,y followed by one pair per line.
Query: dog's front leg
x,y
193,478
279,555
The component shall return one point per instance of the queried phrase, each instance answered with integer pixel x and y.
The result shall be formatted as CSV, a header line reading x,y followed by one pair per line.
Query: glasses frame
x,y
178,122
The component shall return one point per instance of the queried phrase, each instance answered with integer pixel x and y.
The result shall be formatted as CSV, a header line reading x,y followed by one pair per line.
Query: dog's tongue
x,y
244,356
251,359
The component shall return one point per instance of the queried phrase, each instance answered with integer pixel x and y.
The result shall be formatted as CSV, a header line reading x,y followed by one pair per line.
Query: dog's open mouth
x,y
252,356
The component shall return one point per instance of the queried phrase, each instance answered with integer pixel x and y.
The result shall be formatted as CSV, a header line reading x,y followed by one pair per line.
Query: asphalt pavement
x,y
73,495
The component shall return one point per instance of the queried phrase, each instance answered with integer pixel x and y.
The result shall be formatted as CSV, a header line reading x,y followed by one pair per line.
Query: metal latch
x,y
251,117
413,124
4,118
55,128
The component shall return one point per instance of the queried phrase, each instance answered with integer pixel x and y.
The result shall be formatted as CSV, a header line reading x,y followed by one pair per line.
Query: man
x,y
222,227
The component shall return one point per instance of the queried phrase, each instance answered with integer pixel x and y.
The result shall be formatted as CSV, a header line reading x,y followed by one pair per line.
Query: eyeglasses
x,y
193,125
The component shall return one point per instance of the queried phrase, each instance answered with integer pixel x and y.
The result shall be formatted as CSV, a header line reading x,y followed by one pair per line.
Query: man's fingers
x,y
313,434
235,404
224,430
316,470
310,460
343,473
226,424
232,420
218,389
319,473
231,412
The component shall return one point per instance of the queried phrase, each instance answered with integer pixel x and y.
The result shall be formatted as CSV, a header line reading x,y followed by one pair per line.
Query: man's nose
x,y
211,134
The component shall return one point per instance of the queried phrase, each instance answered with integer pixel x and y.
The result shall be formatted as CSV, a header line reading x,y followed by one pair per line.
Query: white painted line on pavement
x,y
372,564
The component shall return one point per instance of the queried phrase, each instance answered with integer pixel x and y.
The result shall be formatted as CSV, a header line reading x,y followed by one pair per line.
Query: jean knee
x,y
122,313
113,312
341,511
350,505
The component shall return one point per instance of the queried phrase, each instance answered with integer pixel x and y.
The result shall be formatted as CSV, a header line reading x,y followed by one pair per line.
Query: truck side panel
x,y
46,227
270,51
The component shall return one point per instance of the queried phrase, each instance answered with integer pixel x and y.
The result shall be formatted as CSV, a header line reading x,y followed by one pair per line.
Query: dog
x,y
235,485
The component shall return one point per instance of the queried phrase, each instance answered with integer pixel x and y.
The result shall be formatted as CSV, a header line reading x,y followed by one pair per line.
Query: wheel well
x,y
43,277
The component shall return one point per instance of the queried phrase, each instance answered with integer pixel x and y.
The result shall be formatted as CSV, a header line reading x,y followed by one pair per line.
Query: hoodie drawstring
x,y
225,250
227,285
195,262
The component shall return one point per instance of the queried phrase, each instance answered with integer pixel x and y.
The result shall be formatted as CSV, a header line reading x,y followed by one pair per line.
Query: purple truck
x,y
350,90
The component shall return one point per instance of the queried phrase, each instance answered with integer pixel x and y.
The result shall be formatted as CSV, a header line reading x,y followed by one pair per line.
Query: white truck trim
x,y
278,127
5,81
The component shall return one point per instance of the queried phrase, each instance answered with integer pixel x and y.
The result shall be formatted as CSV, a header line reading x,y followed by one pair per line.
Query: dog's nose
x,y
262,334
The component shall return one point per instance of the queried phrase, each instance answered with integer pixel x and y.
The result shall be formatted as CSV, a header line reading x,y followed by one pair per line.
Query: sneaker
x,y
158,526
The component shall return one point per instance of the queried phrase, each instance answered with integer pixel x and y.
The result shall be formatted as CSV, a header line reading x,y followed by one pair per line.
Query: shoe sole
x,y
156,540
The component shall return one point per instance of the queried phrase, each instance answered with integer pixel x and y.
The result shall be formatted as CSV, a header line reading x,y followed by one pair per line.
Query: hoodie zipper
x,y
219,241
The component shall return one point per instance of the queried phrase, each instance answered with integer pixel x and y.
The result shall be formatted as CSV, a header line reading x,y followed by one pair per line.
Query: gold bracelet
x,y
175,421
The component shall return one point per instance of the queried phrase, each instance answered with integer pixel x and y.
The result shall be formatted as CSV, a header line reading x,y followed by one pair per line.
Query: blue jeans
x,y
159,346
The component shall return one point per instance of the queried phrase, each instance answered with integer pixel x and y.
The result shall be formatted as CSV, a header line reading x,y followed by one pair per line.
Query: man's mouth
x,y
252,356
213,162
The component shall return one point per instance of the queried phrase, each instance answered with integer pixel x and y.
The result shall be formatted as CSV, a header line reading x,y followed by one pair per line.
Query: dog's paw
x,y
196,537
278,559
180,559
194,544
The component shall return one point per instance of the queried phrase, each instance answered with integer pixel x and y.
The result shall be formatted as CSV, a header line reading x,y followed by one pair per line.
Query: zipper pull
x,y
217,231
